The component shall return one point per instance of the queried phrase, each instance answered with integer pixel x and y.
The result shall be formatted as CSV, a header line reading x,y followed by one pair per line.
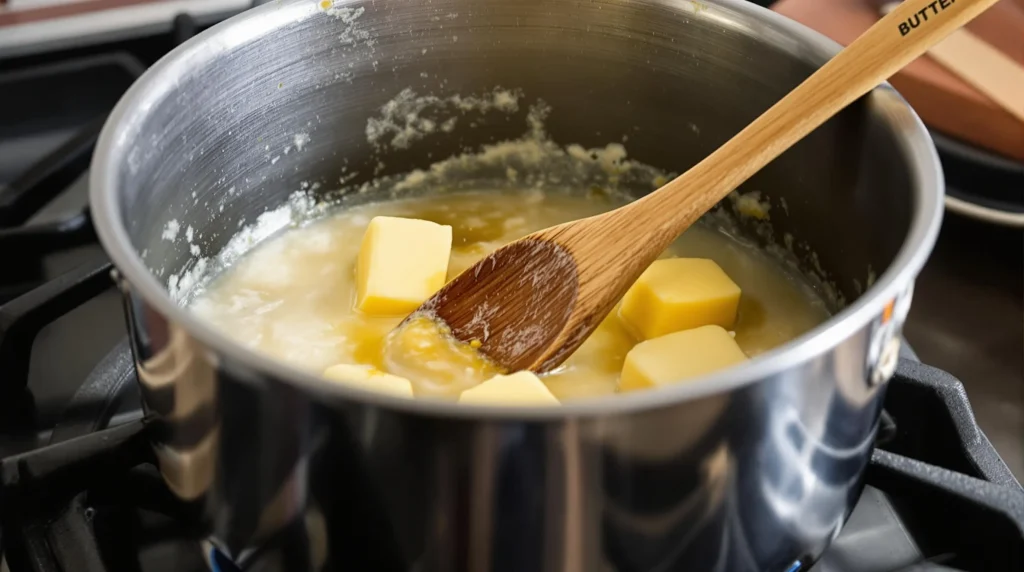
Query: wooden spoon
x,y
530,304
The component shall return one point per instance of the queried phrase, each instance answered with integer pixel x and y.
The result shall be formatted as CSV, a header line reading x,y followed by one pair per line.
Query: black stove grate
x,y
25,246
21,320
51,113
57,128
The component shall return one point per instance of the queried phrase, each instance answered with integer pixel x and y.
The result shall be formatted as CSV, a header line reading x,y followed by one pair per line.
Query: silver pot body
x,y
755,468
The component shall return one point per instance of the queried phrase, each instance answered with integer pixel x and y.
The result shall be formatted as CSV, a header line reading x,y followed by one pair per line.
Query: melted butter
x,y
423,351
292,296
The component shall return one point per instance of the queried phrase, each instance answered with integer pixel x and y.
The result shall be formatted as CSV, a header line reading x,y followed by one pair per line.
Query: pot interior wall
x,y
282,103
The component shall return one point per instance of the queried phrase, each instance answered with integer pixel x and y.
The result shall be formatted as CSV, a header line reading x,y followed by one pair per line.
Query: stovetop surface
x,y
937,493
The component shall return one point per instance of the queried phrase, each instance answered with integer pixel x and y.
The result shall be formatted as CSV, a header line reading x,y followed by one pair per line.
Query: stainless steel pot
x,y
754,468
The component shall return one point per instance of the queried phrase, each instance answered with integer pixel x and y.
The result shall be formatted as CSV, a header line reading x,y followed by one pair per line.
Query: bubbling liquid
x,y
292,297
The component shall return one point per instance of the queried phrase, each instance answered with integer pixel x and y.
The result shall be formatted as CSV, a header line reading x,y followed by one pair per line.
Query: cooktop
x,y
78,485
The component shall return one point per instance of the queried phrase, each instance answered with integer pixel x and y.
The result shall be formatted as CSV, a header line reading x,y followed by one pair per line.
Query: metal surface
x,y
748,469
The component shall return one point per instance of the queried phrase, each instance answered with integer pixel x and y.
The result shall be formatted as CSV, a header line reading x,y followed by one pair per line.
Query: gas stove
x,y
78,485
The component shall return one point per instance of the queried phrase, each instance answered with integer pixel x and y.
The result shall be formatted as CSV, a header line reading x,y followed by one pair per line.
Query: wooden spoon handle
x,y
891,43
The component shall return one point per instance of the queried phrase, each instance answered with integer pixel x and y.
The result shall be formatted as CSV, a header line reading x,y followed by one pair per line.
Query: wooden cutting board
x,y
944,101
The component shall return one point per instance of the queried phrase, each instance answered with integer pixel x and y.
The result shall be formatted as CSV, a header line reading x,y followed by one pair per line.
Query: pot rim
x,y
114,146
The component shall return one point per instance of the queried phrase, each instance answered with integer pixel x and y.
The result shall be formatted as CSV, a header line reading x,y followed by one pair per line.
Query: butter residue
x,y
350,34
409,117
171,229
750,204
531,161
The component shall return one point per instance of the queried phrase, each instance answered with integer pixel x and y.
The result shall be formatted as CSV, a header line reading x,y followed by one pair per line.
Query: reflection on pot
x,y
806,482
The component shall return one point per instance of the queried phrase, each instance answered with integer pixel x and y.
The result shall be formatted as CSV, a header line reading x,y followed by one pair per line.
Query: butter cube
x,y
520,388
676,294
678,356
370,379
402,263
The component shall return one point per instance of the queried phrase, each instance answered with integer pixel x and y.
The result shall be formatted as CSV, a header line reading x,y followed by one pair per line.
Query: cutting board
x,y
944,101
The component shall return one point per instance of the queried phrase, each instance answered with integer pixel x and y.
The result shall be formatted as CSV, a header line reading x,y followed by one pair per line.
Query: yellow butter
x,y
370,379
423,351
520,388
402,262
678,356
677,294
